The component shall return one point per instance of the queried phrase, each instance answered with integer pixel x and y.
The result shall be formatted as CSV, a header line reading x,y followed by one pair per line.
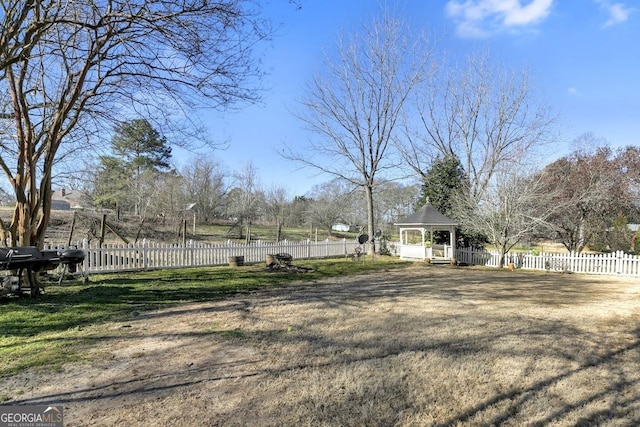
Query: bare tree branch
x,y
486,116
508,210
590,187
72,68
355,105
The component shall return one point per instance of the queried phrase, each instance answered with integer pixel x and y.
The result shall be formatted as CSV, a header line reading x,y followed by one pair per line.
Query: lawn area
x,y
46,331
406,345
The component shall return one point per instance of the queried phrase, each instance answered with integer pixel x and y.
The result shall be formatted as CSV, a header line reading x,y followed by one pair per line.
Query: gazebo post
x,y
452,240
424,241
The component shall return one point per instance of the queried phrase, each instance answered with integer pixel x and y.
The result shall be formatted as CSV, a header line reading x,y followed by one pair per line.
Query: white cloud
x,y
477,18
572,91
618,12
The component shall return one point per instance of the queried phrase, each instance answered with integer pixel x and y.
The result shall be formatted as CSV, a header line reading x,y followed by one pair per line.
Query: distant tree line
x,y
137,179
584,199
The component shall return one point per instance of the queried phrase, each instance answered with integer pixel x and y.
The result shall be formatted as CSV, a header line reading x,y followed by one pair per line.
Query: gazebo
x,y
417,238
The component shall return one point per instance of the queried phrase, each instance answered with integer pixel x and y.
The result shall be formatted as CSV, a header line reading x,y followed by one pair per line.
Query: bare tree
x,y
296,213
276,203
329,204
397,200
354,107
627,162
205,185
71,67
484,115
171,199
507,211
246,199
591,187
24,22
393,201
145,192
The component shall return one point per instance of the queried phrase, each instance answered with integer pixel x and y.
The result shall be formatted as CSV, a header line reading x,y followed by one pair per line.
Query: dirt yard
x,y
415,347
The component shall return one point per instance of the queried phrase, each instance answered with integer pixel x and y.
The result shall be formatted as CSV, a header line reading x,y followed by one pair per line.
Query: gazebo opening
x,y
427,234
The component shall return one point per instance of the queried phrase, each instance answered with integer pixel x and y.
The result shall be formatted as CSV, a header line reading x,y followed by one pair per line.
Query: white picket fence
x,y
615,263
149,255
153,256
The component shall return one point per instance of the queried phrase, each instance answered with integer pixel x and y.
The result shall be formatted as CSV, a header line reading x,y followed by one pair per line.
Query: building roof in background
x,y
75,198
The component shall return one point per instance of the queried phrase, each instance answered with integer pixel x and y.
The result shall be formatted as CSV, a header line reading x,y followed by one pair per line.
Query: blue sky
x,y
583,57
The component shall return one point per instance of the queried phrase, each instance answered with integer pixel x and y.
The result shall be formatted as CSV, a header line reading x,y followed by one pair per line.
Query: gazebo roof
x,y
425,216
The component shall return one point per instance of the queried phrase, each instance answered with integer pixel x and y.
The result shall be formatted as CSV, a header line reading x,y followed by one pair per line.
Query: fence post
x,y
619,262
142,264
85,248
570,264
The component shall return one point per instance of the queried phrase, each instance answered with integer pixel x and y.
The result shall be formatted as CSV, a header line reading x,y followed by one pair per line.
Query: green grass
x,y
50,330
222,232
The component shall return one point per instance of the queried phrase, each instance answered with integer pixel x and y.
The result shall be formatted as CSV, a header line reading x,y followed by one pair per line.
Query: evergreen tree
x,y
441,182
124,180
141,146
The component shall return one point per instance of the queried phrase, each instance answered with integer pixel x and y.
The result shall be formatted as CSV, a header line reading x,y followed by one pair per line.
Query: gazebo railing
x,y
424,252
414,252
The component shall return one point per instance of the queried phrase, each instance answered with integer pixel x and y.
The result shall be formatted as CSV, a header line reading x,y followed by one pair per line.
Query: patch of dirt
x,y
418,346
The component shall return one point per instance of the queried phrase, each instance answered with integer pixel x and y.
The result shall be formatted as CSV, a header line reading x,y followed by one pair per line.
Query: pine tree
x,y
124,180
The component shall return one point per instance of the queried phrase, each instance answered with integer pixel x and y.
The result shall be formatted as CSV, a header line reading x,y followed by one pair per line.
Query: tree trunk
x,y
21,227
44,214
370,218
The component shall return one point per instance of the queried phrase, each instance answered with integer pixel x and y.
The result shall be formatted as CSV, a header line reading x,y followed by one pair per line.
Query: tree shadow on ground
x,y
421,347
